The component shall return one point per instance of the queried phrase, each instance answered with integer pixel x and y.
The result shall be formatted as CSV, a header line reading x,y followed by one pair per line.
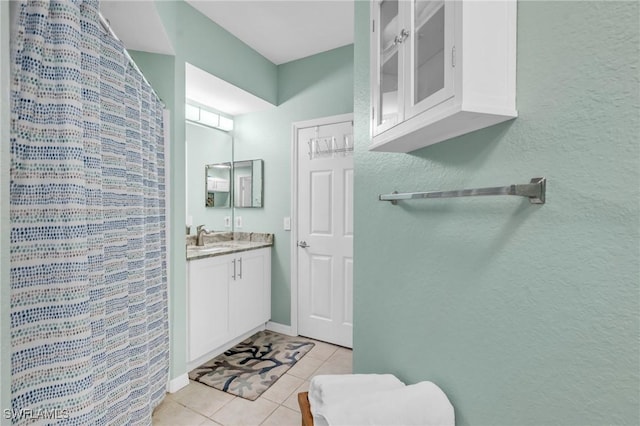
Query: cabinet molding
x,y
473,64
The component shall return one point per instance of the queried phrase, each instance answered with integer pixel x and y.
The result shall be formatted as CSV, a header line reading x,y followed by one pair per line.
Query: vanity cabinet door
x,y
208,304
250,290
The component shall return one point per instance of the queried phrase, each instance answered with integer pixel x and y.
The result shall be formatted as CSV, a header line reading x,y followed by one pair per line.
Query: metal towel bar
x,y
535,191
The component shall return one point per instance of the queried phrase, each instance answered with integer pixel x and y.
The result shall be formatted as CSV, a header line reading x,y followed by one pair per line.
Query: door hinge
x,y
373,113
373,26
453,57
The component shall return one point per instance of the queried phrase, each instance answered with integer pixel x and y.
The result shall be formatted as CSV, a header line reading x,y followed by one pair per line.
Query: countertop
x,y
222,248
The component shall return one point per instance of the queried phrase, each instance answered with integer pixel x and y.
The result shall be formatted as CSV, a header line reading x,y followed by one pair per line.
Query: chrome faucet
x,y
202,231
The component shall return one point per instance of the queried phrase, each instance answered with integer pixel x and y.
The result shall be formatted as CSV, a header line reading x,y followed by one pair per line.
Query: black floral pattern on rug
x,y
252,366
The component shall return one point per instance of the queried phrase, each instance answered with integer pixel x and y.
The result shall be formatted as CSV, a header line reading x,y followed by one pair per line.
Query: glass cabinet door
x,y
387,108
430,73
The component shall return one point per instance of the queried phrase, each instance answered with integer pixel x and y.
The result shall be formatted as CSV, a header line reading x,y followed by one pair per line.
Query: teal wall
x,y
205,146
210,47
195,40
166,76
523,314
317,86
313,87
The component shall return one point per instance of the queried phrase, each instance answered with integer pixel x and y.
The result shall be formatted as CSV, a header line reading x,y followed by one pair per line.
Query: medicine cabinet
x,y
218,185
248,183
440,69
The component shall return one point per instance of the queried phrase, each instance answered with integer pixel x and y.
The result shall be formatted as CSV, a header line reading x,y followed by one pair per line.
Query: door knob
x,y
303,244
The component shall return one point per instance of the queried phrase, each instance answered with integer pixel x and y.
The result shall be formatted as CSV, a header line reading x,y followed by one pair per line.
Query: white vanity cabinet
x,y
440,69
228,296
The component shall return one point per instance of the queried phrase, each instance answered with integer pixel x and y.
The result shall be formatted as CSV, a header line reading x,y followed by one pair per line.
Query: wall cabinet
x,y
228,296
440,69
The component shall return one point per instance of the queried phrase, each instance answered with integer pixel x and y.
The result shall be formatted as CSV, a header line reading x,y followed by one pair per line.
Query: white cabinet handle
x,y
240,274
234,270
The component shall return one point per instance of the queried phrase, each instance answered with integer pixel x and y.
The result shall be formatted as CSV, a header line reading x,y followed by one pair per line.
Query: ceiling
x,y
280,30
216,93
284,30
146,35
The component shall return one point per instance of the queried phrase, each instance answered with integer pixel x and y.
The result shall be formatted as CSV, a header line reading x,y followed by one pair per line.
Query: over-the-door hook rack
x,y
332,145
535,191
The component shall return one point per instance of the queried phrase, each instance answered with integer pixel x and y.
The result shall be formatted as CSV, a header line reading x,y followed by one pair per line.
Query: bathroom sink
x,y
210,249
205,249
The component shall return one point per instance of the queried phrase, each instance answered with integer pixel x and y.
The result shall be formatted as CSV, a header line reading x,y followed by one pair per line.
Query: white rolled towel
x,y
328,389
217,184
211,184
422,404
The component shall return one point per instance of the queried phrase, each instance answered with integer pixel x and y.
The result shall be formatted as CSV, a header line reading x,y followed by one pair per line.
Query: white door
x,y
325,232
244,191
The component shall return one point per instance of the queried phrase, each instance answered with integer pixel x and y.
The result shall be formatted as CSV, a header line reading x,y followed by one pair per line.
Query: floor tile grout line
x,y
201,413
279,406
220,408
192,410
288,395
320,359
269,415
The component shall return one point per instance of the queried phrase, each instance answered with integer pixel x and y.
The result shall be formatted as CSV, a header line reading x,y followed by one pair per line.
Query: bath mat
x,y
252,366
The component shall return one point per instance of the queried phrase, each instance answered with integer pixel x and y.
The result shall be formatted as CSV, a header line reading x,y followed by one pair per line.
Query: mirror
x,y
206,148
217,185
248,183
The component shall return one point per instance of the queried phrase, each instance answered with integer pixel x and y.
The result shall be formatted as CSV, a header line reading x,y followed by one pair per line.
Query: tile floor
x,y
198,404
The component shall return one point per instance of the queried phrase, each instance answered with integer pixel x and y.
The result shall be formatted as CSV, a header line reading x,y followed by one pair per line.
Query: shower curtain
x,y
89,320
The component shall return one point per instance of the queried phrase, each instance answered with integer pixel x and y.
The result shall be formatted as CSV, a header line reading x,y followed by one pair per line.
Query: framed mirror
x,y
248,183
218,185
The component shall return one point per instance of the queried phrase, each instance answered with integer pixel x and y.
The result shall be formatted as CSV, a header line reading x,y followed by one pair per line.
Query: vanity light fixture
x,y
209,118
226,124
191,113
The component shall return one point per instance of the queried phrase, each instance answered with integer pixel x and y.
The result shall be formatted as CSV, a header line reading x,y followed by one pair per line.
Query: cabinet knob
x,y
403,35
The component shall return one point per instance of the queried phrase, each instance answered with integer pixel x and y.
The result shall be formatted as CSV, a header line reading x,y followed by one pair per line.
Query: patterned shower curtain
x,y
89,320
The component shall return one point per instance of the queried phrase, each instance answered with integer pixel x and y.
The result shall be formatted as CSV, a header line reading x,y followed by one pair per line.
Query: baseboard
x,y
178,383
280,328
